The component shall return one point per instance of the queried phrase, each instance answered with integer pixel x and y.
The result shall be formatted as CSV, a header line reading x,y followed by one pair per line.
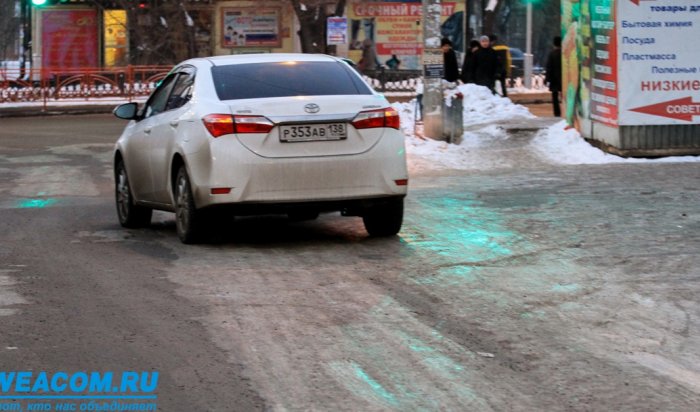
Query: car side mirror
x,y
127,111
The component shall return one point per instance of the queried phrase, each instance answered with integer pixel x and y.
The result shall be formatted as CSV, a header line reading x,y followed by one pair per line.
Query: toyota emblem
x,y
311,108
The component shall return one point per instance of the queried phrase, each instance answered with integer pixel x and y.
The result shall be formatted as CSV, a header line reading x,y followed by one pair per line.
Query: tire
x,y
384,219
130,214
188,220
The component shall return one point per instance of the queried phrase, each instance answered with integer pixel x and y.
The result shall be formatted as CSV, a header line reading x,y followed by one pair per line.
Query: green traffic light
x,y
38,2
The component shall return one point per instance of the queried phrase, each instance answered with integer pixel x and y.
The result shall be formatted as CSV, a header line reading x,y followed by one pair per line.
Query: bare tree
x,y
503,19
160,32
312,15
9,21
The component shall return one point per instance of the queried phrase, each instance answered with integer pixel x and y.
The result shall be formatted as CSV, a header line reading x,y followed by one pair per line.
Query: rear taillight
x,y
218,124
388,117
221,124
252,124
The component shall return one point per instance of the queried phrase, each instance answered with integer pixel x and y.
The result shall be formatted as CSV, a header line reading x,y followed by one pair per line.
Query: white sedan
x,y
298,134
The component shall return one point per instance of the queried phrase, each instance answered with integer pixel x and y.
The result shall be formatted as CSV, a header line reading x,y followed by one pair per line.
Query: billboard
x,y
251,27
69,38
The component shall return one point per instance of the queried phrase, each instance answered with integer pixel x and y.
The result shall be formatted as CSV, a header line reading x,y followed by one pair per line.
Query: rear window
x,y
280,79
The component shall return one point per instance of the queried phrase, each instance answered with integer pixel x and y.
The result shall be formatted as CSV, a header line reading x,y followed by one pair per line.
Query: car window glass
x,y
158,100
256,80
182,90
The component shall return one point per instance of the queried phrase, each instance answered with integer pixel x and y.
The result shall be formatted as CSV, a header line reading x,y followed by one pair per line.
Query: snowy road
x,y
517,283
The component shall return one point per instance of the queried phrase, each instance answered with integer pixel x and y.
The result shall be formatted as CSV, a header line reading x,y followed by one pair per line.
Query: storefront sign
x,y
601,62
659,61
394,27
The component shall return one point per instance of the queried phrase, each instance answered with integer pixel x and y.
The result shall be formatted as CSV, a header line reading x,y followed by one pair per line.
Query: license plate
x,y
311,132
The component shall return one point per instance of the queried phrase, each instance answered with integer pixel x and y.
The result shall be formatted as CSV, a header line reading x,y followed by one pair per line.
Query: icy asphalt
x,y
521,284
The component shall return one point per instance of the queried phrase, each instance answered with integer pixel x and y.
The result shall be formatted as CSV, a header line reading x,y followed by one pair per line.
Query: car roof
x,y
261,58
516,52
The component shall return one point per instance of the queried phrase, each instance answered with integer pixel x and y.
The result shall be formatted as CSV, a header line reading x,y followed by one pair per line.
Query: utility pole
x,y
433,67
528,47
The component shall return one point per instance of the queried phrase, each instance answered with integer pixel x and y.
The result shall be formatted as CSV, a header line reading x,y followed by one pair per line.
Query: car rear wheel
x,y
188,220
130,214
384,219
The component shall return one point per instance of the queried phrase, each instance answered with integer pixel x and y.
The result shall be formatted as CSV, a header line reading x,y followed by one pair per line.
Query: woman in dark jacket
x,y
487,67
451,66
553,75
468,65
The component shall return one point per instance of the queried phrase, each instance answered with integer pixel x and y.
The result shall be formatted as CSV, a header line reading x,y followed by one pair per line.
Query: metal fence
x,y
60,84
405,81
48,85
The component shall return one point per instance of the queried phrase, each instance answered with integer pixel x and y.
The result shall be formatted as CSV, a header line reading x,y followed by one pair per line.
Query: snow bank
x,y
484,144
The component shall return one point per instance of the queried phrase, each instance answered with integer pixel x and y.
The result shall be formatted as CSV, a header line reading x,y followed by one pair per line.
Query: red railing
x,y
62,84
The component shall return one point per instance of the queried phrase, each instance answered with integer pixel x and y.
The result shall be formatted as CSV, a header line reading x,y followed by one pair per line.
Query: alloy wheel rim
x,y
182,204
123,197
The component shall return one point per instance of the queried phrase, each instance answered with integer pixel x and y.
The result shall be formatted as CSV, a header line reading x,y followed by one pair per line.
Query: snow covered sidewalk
x,y
501,134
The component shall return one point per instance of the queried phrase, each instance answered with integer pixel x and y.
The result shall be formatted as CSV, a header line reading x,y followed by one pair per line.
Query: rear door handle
x,y
174,123
147,130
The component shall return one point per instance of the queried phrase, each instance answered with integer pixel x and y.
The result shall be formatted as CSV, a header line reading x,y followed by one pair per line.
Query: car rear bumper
x,y
348,207
255,179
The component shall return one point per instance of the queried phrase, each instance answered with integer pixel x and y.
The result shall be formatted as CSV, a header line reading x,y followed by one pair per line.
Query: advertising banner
x,y
251,27
577,49
394,28
115,35
337,30
69,38
659,56
601,61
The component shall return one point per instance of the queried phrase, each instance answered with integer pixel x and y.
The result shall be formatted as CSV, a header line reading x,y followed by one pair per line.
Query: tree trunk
x,y
312,20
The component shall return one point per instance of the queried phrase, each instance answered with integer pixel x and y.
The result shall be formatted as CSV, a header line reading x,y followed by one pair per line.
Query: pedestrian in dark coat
x,y
503,53
468,65
487,67
553,75
451,69
369,59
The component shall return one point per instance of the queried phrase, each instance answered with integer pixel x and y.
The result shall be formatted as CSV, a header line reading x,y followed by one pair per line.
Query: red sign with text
x,y
69,38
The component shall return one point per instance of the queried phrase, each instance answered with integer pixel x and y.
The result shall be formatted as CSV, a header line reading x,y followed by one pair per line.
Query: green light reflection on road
x,y
376,387
35,203
461,228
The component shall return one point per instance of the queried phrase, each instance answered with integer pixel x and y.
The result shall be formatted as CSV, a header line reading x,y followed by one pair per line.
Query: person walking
x,y
467,75
393,63
553,75
503,53
369,59
486,65
451,67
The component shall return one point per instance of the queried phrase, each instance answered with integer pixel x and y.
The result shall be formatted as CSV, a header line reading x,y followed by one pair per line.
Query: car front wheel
x,y
384,219
187,217
130,214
